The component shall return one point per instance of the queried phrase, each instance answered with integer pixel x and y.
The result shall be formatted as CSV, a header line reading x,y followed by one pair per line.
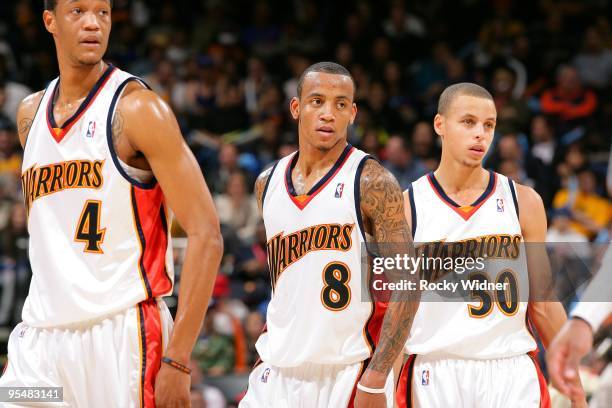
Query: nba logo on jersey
x,y
425,377
339,190
500,205
91,129
264,375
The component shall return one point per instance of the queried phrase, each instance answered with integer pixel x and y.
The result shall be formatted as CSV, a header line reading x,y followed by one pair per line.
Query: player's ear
x,y
49,20
438,124
354,112
294,107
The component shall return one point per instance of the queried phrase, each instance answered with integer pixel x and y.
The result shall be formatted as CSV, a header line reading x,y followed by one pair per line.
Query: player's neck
x,y
312,159
76,81
455,177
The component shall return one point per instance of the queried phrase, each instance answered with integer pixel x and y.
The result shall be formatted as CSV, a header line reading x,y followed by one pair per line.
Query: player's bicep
x,y
407,209
153,130
25,115
382,203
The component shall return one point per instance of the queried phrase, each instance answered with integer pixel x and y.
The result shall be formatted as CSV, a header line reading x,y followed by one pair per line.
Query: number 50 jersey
x,y
316,314
99,240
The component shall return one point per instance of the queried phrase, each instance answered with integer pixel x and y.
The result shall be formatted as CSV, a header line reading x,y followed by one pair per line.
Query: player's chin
x,y
89,58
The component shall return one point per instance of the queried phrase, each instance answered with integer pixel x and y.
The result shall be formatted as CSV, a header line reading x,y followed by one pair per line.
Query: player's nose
x,y
90,21
327,113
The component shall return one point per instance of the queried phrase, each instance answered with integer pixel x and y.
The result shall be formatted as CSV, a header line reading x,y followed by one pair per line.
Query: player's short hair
x,y
50,4
329,68
463,88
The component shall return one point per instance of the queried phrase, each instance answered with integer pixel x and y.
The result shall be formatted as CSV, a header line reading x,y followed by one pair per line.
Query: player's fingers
x,y
556,363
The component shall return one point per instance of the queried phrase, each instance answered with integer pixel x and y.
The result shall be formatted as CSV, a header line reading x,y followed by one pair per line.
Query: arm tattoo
x,y
382,204
24,127
260,185
117,127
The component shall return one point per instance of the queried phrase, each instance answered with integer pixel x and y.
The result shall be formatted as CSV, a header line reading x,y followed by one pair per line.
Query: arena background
x,y
229,68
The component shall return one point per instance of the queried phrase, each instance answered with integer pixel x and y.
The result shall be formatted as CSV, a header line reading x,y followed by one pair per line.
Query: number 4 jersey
x,y
99,240
492,323
316,314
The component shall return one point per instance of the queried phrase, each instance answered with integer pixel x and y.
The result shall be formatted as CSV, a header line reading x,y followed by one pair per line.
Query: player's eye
x,y
468,122
316,101
490,125
104,12
341,105
76,10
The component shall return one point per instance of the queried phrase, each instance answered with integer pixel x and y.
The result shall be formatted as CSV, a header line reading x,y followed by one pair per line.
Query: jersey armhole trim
x,y
357,195
413,215
514,199
265,190
109,136
25,142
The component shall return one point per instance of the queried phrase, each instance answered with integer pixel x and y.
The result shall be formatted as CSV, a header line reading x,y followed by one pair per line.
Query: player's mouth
x,y
325,130
90,42
478,150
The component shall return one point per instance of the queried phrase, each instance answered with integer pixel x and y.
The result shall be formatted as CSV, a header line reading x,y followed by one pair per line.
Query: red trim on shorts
x,y
403,389
544,395
364,365
151,348
149,215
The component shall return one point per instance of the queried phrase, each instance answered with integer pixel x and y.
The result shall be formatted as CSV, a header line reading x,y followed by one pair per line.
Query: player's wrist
x,y
176,365
373,379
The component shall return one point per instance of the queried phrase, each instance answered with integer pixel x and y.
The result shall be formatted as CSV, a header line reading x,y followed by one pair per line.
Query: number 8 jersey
x,y
99,239
314,246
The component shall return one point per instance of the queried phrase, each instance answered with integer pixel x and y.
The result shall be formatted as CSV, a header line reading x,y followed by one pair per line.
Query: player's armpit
x,y
151,128
382,205
25,114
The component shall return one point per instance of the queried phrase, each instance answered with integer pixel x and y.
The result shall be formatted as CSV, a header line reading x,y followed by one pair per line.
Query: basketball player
x,y
323,346
104,162
476,354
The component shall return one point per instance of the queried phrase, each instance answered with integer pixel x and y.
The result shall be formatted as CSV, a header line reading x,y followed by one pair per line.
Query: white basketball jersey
x,y
99,240
316,314
493,325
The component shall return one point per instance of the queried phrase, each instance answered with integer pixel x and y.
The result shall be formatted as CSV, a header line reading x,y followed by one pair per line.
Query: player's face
x,y
467,129
324,110
80,29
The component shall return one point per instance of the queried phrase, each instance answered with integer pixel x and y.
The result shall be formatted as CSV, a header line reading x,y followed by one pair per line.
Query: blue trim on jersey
x,y
109,136
84,105
450,201
514,199
265,190
324,179
413,214
357,194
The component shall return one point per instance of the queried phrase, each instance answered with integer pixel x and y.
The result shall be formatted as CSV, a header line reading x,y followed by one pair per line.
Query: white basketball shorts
x,y
435,382
107,362
306,386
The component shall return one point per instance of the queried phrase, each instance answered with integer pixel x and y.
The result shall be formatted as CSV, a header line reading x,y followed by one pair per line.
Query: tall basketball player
x,y
324,346
480,353
104,163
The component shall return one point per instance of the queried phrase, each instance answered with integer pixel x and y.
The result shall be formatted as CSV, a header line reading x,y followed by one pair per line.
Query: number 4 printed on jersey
x,y
88,228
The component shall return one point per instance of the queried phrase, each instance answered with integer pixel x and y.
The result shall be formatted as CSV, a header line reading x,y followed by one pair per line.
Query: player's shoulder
x,y
528,198
25,113
375,175
139,99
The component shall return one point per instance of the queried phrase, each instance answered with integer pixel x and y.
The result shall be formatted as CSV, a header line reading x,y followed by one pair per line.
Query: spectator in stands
x,y
401,163
253,325
11,93
204,394
568,102
594,62
10,155
589,211
512,112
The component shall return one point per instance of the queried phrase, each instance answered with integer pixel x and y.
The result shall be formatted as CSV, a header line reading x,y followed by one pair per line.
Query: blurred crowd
x,y
228,69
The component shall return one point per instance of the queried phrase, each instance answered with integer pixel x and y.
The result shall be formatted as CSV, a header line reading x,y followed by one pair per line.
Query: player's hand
x,y
371,379
172,388
563,356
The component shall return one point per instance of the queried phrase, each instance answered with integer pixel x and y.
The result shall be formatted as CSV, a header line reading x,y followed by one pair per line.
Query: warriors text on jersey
x,y
99,239
490,326
316,314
